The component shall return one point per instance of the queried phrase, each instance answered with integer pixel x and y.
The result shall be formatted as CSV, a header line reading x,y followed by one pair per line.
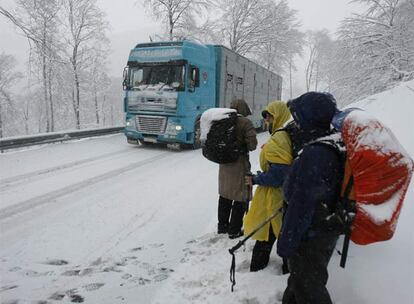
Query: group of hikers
x,y
297,187
324,172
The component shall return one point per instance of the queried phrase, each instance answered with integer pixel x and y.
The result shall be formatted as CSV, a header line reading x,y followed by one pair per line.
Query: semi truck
x,y
168,85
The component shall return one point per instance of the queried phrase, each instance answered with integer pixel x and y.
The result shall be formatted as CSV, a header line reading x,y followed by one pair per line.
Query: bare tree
x,y
38,20
8,78
173,12
320,47
85,25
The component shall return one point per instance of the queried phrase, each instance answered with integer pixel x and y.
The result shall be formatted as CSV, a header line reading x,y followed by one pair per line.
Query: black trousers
x,y
230,215
308,270
261,252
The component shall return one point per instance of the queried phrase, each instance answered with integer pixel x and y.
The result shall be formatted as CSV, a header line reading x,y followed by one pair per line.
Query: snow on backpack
x,y
376,177
218,135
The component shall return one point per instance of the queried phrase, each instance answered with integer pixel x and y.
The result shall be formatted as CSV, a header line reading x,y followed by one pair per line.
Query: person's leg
x,y
261,252
289,294
236,218
224,209
285,267
308,270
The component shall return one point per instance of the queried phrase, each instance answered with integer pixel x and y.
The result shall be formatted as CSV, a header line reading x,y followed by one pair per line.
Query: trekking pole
x,y
249,194
348,223
240,243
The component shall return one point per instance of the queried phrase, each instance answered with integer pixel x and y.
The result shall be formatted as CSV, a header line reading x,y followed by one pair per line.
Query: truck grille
x,y
149,107
151,124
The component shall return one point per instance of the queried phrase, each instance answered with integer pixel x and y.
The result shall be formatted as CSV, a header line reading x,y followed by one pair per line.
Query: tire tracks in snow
x,y
18,179
50,197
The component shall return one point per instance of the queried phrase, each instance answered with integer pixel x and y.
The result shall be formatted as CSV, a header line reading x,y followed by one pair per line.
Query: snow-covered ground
x,y
101,221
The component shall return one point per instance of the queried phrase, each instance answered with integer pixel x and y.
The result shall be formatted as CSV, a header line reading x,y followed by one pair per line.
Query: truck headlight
x,y
130,123
173,128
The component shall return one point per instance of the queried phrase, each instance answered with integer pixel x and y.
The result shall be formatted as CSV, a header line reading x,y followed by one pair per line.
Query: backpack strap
x,y
297,137
345,207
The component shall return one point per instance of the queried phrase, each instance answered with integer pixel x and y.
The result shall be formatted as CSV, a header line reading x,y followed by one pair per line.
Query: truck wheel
x,y
132,141
197,134
144,143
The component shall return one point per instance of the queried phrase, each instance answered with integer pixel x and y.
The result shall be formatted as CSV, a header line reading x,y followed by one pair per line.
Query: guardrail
x,y
45,138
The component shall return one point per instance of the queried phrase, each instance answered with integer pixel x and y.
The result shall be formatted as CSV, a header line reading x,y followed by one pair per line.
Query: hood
x,y
280,112
313,110
241,107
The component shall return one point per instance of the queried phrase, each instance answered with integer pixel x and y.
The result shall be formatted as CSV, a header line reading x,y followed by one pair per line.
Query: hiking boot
x,y
221,229
235,235
260,260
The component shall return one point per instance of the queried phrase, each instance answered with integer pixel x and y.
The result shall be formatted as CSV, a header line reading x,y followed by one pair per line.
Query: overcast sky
x,y
130,23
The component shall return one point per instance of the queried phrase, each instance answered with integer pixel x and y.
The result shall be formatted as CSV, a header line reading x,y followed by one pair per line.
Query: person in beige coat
x,y
234,194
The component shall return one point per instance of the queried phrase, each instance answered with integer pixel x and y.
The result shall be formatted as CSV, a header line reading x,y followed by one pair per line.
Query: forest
x,y
66,84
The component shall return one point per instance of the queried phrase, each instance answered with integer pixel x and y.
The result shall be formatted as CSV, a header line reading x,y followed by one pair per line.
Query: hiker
x,y
275,159
311,191
234,194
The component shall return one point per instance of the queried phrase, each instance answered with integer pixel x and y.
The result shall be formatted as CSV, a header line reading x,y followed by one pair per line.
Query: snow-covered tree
x,y
8,78
283,41
202,31
320,51
38,20
174,13
98,80
376,48
245,23
66,68
85,27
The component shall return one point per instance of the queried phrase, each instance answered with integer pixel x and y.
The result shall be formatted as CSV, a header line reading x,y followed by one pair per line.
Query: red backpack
x,y
377,174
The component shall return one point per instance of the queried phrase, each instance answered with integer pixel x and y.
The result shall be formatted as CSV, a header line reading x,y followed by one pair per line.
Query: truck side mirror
x,y
125,78
194,79
195,76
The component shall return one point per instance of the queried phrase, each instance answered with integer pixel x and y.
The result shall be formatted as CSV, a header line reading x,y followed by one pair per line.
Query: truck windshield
x,y
158,77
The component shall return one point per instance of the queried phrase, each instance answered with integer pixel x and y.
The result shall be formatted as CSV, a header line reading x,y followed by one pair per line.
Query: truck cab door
x,y
194,87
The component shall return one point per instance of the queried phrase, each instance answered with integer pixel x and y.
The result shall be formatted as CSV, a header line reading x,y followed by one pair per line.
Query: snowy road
x,y
102,207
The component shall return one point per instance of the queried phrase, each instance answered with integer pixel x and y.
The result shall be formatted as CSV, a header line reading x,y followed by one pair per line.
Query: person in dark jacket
x,y
233,193
311,191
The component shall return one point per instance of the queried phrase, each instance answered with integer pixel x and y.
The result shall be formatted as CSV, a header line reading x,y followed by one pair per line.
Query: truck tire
x,y
132,141
144,143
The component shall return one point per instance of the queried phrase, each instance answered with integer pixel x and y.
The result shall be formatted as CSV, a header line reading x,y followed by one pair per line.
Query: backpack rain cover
x,y
381,170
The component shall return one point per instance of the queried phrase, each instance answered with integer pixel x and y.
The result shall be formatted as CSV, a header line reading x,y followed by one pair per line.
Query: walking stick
x,y
240,243
347,222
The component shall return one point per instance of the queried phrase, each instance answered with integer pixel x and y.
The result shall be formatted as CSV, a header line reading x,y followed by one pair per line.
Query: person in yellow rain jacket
x,y
275,160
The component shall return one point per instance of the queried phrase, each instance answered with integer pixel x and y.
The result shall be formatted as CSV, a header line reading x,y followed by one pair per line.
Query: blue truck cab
x,y
168,85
